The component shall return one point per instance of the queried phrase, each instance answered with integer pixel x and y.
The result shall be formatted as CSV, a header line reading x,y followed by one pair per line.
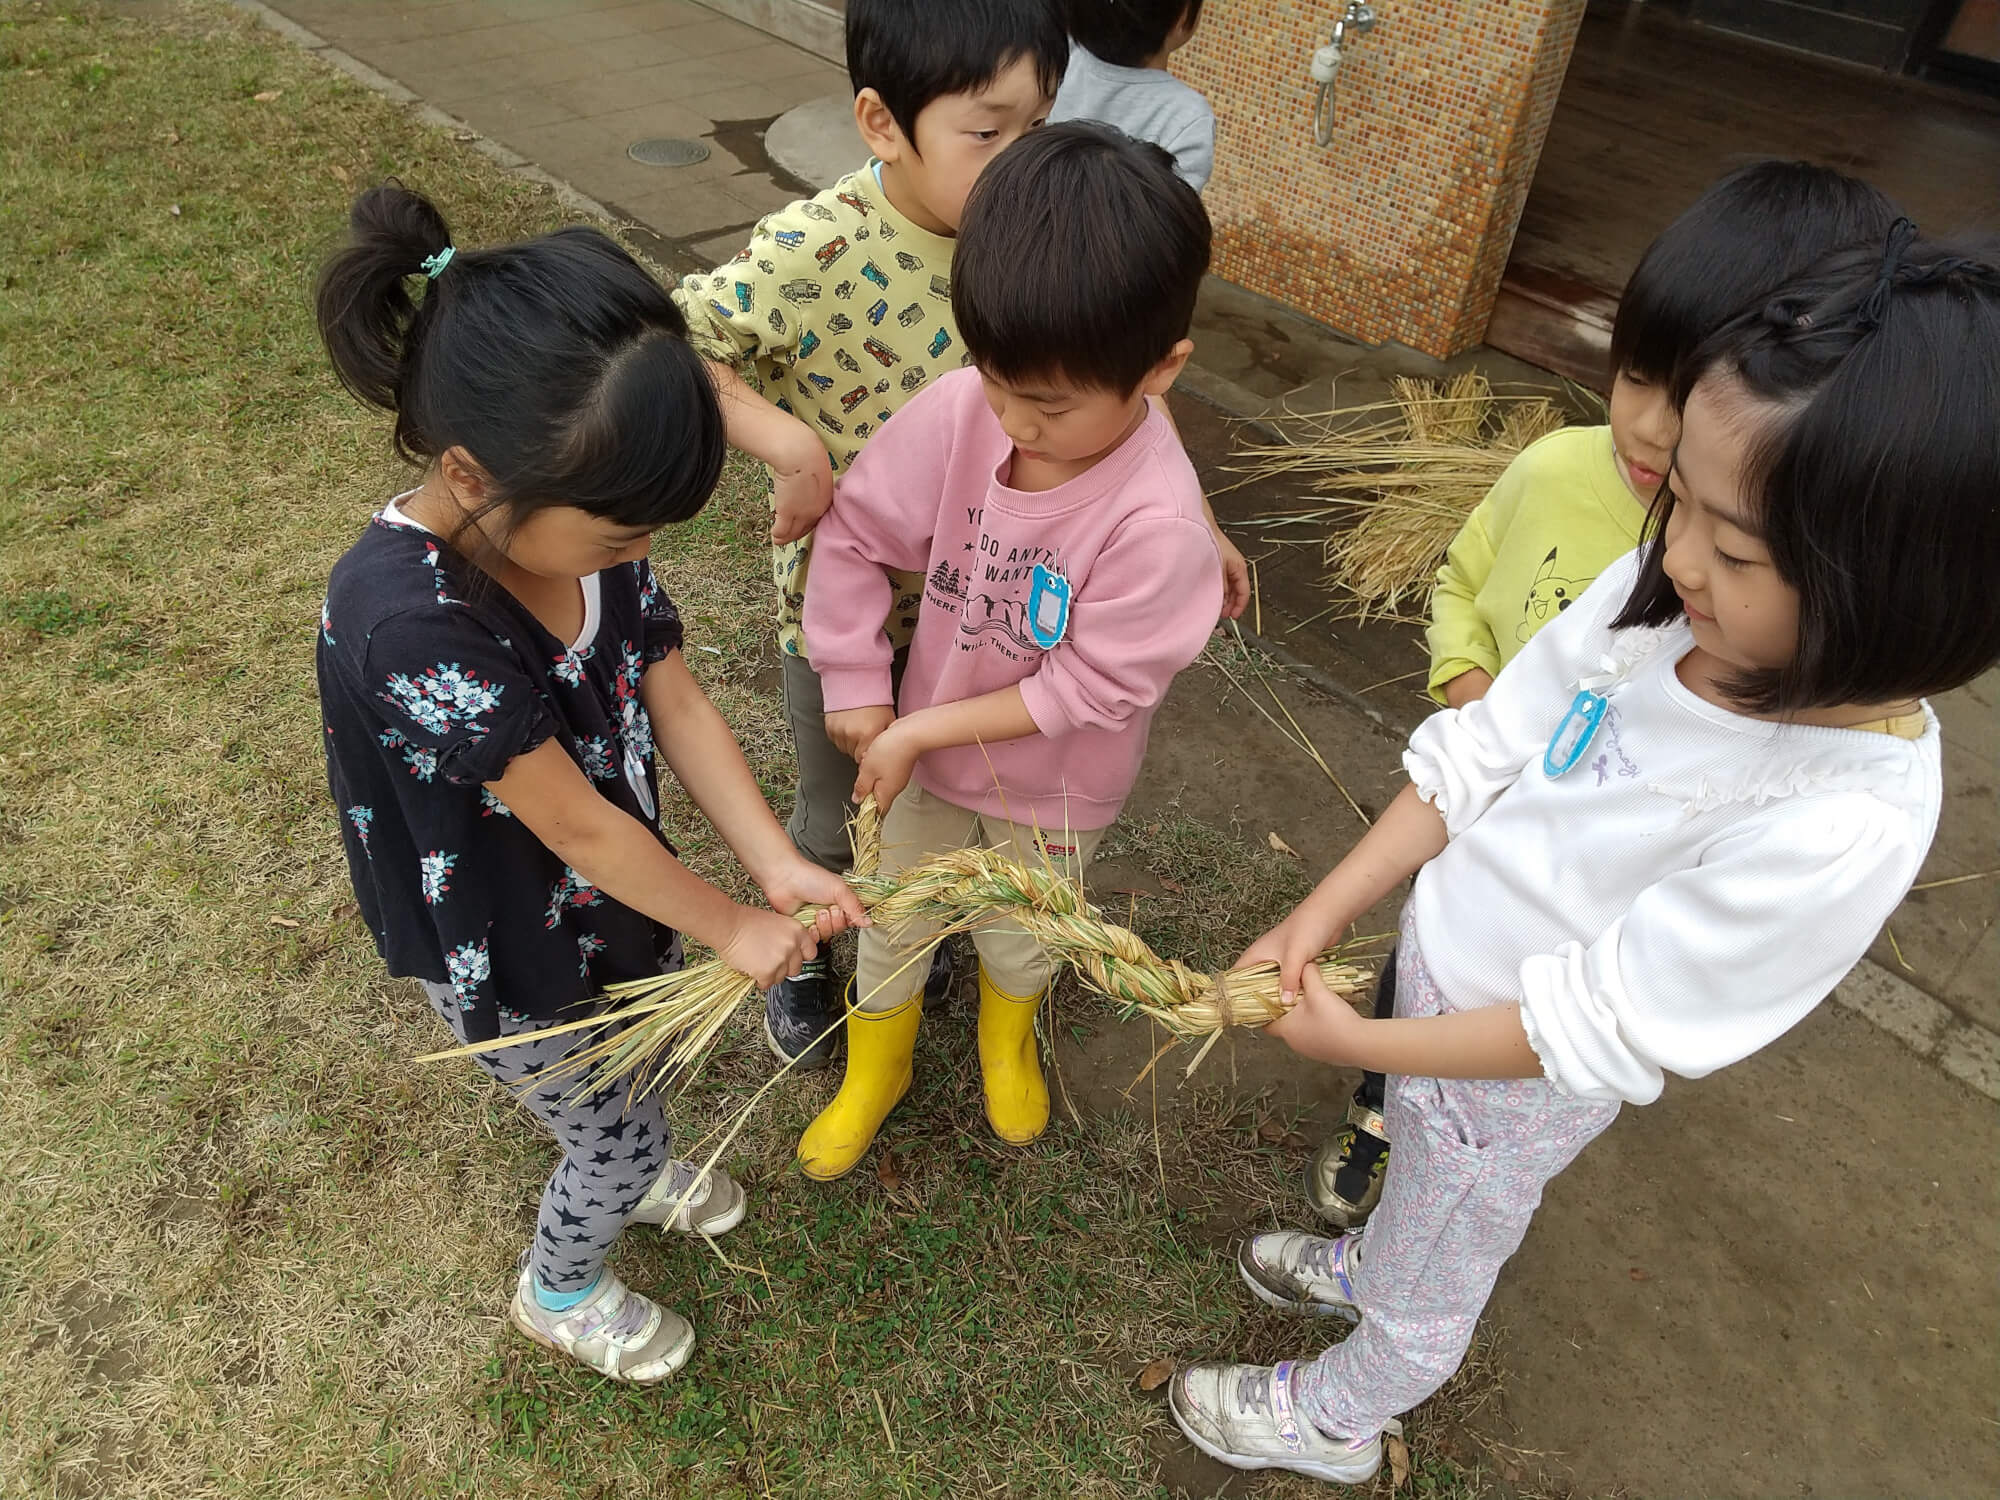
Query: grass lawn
x,y
249,1246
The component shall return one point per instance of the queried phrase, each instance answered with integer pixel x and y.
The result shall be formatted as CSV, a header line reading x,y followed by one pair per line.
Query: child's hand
x,y
802,884
766,946
1292,945
801,491
1235,576
853,730
1320,1025
886,767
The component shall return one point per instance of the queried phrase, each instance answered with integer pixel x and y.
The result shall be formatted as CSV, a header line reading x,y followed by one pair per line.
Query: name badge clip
x,y
1048,607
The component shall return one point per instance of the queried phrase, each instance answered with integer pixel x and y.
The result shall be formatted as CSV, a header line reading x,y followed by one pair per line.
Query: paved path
x,y
570,84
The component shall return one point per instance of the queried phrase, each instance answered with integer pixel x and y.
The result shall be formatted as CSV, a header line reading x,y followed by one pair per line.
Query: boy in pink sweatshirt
x,y
1069,574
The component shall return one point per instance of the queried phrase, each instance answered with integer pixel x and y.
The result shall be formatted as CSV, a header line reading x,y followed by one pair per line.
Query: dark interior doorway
x,y
1656,105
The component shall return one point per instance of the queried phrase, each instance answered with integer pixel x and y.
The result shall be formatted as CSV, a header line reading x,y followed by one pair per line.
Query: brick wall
x,y
1400,229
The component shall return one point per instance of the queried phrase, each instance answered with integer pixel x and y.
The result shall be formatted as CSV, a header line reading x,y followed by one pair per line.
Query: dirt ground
x,y
1776,1281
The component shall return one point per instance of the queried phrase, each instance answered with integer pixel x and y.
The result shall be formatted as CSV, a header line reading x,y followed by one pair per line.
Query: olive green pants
x,y
919,824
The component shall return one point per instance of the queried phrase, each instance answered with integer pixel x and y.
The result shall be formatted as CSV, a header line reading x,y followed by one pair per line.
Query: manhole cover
x,y
666,151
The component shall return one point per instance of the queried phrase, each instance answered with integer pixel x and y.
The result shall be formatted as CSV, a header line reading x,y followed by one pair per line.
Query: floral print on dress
x,y
570,891
568,667
596,752
633,719
639,734
431,557
440,864
631,669
468,966
423,763
435,870
443,697
649,588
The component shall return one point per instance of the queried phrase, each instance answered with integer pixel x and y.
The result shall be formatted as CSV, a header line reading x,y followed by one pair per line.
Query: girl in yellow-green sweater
x,y
1577,500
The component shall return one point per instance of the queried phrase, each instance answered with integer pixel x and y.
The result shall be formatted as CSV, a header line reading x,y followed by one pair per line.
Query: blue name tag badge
x,y
1048,607
1573,736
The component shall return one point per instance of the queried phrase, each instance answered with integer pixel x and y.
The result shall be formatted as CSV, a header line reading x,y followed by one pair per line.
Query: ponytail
x,y
367,318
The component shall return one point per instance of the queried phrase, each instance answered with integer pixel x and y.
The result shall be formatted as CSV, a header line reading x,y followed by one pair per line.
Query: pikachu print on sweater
x,y
838,311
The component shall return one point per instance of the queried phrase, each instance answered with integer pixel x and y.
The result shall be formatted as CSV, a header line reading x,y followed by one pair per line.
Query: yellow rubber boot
x,y
879,1045
1017,1098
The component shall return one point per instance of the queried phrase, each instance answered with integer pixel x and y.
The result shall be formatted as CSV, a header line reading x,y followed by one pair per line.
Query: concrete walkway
x,y
570,84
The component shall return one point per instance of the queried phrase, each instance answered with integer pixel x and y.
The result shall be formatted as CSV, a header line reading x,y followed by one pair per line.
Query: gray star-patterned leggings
x,y
614,1148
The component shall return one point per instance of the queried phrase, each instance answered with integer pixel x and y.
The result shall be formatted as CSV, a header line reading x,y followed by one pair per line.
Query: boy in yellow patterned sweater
x,y
835,314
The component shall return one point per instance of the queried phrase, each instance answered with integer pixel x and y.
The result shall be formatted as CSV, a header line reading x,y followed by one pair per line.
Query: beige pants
x,y
891,966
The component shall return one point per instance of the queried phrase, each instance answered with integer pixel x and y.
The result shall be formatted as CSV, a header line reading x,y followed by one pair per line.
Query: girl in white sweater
x,y
1678,818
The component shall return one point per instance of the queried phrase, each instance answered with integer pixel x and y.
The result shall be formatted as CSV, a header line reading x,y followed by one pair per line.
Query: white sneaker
x,y
1303,1273
614,1330
1242,1415
715,1207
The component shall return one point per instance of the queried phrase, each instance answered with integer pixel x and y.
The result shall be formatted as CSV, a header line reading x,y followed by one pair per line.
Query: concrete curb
x,y
1928,1027
813,28
1961,1048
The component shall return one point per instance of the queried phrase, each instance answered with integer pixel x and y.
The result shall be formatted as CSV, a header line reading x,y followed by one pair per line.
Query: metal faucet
x,y
1359,19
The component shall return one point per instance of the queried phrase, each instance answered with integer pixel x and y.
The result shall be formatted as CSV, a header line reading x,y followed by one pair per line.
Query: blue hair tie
x,y
434,264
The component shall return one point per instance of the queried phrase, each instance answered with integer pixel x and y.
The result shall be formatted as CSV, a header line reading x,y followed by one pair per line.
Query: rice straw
x,y
662,1028
1401,477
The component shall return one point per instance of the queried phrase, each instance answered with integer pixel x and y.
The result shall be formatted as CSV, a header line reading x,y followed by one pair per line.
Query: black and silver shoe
x,y
801,1019
1344,1182
943,976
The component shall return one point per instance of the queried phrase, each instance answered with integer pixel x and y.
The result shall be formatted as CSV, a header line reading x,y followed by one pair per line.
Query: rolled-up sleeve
x,y
1697,974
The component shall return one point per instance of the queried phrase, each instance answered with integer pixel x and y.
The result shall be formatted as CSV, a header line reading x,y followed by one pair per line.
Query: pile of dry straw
x,y
1405,473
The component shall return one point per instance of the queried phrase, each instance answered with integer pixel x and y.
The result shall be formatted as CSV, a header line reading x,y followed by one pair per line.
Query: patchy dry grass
x,y
249,1247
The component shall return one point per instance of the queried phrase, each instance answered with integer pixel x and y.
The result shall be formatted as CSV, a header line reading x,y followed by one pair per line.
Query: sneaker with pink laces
x,y
614,1330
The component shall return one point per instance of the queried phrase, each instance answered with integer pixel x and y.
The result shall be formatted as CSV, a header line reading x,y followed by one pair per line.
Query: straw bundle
x,y
1406,474
665,1026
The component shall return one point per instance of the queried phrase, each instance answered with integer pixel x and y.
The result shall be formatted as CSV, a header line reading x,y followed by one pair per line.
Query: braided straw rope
x,y
669,1022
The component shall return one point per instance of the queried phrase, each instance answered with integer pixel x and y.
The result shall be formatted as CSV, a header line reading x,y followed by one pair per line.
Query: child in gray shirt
x,y
1118,75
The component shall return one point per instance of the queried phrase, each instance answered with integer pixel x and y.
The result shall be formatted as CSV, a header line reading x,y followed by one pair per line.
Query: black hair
x,y
558,364
1746,235
914,51
1080,255
1873,474
1126,33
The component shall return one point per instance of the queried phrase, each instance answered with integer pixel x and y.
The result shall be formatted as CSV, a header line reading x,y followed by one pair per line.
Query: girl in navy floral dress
x,y
498,668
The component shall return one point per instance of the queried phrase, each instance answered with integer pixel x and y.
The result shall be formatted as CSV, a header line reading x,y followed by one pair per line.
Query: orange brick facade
x,y
1400,229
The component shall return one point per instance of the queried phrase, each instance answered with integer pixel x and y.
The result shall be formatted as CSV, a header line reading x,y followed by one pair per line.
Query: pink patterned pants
x,y
1467,1161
